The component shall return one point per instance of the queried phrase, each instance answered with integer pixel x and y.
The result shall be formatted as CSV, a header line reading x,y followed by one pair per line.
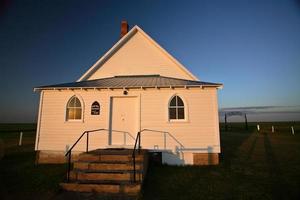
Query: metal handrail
x,y
69,152
138,141
181,145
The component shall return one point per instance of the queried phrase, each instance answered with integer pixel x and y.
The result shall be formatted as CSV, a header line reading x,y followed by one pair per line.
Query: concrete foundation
x,y
54,157
205,158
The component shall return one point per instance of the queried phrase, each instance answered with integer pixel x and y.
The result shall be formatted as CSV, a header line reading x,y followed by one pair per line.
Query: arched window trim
x,y
67,119
177,107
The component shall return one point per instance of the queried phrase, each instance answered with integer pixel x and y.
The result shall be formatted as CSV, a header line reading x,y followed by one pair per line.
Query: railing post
x,y
20,138
69,166
69,150
139,135
87,142
226,127
134,172
124,135
165,140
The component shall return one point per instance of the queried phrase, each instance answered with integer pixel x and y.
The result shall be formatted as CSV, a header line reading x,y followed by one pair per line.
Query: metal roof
x,y
136,81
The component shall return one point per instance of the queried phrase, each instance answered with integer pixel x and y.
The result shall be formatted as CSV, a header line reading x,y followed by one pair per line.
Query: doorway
x,y
123,121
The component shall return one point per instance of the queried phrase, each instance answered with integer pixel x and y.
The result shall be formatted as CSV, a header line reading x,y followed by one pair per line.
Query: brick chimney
x,y
124,28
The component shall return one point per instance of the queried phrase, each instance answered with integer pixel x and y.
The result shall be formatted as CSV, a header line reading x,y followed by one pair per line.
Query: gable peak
x,y
123,40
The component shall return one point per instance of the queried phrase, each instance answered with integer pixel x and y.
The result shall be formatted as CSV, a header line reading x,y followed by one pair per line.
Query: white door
x,y
124,118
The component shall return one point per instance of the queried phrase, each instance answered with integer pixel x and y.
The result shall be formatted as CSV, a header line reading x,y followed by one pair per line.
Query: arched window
x,y
95,108
176,108
74,109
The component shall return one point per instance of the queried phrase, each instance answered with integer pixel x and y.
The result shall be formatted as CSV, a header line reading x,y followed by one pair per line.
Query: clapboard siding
x,y
199,131
139,56
56,133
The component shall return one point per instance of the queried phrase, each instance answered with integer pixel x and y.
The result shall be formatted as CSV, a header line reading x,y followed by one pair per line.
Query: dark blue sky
x,y
252,47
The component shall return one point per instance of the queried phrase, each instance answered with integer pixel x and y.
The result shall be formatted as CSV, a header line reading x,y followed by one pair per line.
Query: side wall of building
x,y
198,133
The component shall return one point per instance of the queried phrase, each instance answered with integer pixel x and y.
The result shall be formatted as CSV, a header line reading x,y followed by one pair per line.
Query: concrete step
x,y
116,151
106,182
107,171
104,176
88,157
106,166
132,189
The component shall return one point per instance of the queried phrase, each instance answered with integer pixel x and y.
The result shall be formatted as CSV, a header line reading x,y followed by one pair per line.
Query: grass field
x,y
253,165
20,178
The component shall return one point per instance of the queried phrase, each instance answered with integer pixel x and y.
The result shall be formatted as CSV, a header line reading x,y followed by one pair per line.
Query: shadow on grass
x,y
22,179
278,184
230,143
198,182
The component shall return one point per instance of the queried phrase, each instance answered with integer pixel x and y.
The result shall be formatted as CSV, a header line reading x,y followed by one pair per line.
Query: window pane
x,y
70,113
172,113
72,102
77,103
74,109
173,101
78,113
180,113
179,101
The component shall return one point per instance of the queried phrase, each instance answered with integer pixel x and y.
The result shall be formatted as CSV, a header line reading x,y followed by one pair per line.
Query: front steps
x,y
108,172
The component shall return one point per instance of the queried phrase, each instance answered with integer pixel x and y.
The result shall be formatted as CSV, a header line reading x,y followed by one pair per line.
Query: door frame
x,y
110,114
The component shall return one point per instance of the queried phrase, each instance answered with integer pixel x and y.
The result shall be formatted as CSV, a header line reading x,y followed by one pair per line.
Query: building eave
x,y
128,87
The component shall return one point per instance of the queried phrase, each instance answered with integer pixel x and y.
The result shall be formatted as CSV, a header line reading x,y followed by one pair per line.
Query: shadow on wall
x,y
210,158
189,156
168,157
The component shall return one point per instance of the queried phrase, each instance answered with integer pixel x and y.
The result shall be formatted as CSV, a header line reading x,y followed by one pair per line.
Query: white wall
x,y
139,56
198,132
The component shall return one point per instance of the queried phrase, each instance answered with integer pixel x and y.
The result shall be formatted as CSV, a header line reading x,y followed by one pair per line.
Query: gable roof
x,y
132,82
120,43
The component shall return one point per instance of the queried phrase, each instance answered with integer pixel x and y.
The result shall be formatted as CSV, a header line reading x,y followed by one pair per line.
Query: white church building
x,y
137,86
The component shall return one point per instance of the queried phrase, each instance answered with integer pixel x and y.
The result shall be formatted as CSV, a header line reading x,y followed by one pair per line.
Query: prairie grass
x,y
253,165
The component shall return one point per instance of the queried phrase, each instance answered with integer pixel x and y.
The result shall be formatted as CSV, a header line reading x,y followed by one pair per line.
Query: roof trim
x,y
127,87
120,43
96,84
